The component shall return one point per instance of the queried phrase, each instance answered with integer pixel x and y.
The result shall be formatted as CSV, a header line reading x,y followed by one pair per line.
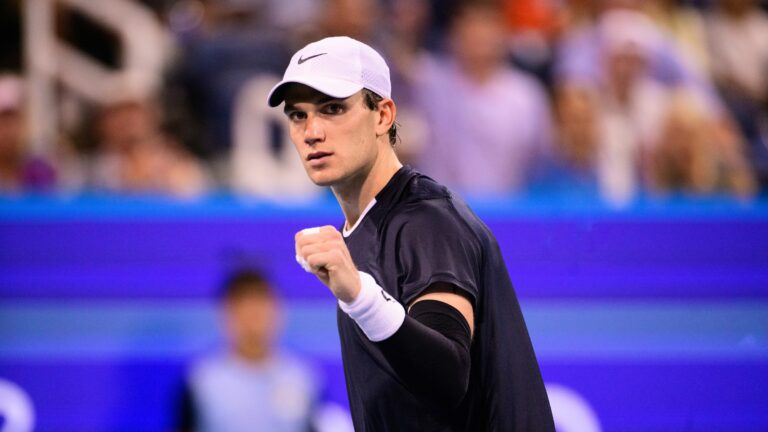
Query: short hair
x,y
246,282
371,100
466,8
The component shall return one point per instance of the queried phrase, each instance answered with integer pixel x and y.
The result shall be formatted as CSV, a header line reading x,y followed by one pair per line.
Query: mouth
x,y
317,156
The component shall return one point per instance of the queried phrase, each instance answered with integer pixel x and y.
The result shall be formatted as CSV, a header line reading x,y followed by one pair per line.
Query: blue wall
x,y
656,315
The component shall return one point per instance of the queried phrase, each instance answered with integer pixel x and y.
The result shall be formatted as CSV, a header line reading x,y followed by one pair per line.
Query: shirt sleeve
x,y
436,245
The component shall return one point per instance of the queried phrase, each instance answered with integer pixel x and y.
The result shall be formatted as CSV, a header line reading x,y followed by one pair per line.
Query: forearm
x,y
428,348
430,353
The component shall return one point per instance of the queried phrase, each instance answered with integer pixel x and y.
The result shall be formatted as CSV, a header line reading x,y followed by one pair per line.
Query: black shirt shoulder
x,y
435,239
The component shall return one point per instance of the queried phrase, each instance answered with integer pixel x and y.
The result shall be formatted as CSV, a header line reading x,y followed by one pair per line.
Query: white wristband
x,y
376,312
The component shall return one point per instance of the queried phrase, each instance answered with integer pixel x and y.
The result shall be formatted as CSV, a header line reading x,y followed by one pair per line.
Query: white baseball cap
x,y
337,66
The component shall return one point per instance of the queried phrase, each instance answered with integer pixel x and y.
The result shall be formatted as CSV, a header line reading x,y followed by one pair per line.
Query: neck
x,y
253,354
479,74
355,194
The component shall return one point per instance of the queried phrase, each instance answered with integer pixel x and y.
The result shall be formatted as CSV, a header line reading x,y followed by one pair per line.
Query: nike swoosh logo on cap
x,y
303,59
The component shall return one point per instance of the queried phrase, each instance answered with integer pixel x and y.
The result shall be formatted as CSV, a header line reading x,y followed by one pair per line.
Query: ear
x,y
386,116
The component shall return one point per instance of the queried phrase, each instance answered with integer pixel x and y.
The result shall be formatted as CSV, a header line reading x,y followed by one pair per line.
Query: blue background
x,y
657,315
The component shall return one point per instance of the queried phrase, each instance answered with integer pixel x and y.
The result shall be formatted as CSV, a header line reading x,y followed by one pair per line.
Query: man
x,y
252,386
432,335
510,127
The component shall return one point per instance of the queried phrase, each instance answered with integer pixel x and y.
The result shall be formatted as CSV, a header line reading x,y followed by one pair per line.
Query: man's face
x,y
335,138
252,323
125,126
477,40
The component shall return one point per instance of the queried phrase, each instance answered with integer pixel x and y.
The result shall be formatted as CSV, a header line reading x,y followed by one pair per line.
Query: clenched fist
x,y
326,255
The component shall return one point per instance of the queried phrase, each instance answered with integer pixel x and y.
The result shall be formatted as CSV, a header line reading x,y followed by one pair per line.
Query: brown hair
x,y
246,282
372,100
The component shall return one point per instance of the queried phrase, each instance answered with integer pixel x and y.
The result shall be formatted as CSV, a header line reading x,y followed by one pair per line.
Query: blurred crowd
x,y
612,98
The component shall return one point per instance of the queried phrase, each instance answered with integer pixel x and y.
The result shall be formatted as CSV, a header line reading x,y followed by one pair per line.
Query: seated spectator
x,y
580,54
698,156
489,123
354,18
404,49
738,36
572,169
614,118
531,28
223,44
252,386
20,171
135,155
685,27
575,16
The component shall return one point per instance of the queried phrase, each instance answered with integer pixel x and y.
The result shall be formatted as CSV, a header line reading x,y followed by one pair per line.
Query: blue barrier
x,y
656,314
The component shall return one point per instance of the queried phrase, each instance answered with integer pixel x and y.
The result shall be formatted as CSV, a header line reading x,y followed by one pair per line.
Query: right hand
x,y
329,259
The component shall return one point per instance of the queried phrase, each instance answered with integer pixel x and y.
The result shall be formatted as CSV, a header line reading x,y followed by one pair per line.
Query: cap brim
x,y
332,87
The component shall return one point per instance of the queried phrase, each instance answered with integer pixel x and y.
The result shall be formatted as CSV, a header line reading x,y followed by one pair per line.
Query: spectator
x,y
408,59
580,52
223,45
19,170
695,155
685,26
489,123
531,27
353,18
135,155
738,35
252,386
614,119
577,15
572,169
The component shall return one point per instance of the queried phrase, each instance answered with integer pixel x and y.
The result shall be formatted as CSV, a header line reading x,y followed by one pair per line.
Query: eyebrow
x,y
319,101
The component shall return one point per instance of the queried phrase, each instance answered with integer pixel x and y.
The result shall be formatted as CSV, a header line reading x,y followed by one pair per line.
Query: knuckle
x,y
330,231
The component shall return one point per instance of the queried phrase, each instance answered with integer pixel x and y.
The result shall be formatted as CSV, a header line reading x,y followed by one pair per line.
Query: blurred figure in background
x,y
631,103
354,18
489,123
135,155
685,27
738,37
224,43
580,52
20,171
408,59
572,169
531,28
612,120
695,155
252,386
576,15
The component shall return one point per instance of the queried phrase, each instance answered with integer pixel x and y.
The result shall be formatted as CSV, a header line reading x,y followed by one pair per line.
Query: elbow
x,y
451,390
460,389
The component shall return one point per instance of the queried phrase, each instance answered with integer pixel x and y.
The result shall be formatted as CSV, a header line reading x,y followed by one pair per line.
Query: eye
x,y
296,115
334,108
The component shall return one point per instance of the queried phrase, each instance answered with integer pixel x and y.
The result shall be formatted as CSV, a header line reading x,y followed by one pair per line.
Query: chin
x,y
322,177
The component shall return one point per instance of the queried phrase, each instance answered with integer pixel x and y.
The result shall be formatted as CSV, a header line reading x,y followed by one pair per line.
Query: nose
x,y
313,132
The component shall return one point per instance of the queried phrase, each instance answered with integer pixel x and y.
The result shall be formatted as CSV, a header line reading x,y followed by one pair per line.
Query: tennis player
x,y
431,331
